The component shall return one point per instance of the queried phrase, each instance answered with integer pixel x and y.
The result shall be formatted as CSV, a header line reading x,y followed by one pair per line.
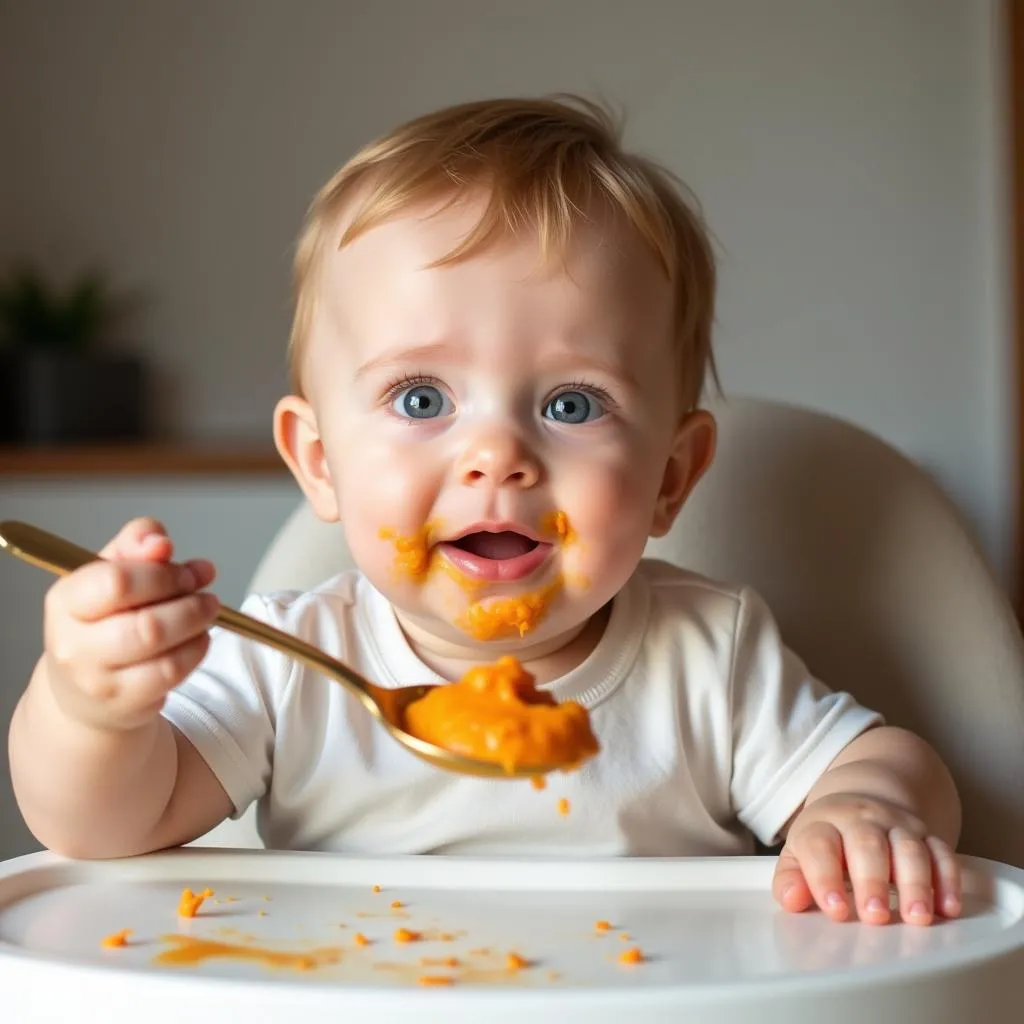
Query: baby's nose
x,y
497,458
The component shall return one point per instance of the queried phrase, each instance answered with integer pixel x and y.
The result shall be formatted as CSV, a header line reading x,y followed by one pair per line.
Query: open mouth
x,y
496,556
496,546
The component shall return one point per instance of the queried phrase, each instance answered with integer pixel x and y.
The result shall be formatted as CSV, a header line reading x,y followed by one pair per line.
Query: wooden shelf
x,y
141,459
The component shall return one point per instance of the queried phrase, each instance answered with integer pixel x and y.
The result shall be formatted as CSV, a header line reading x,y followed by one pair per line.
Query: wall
x,y
847,156
844,153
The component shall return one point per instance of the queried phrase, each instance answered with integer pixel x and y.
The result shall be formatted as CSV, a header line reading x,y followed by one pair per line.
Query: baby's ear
x,y
297,437
692,452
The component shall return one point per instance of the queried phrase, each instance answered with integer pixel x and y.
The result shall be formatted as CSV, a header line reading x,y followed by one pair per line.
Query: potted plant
x,y
57,386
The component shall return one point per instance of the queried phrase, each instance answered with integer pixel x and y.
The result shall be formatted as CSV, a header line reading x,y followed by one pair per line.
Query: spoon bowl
x,y
57,555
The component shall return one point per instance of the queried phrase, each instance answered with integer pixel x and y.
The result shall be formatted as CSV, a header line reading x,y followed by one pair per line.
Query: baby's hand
x,y
121,633
875,842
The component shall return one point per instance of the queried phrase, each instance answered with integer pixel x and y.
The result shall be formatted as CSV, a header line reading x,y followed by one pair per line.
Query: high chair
x,y
870,572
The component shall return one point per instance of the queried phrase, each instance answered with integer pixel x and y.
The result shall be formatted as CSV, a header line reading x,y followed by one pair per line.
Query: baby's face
x,y
498,433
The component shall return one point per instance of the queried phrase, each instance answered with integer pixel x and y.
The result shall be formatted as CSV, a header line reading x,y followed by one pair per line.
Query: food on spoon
x,y
496,713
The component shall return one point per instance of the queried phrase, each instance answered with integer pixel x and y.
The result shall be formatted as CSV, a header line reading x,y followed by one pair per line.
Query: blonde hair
x,y
543,163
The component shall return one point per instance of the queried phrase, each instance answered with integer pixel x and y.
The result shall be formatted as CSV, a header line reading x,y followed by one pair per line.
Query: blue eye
x,y
422,402
573,407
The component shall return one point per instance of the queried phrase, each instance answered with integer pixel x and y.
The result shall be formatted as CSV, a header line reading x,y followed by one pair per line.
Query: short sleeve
x,y
786,726
226,708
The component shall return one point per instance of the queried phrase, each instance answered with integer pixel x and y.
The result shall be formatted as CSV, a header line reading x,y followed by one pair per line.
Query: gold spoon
x,y
48,551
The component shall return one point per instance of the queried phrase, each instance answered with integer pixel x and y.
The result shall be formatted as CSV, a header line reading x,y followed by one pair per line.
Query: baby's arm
x,y
886,808
97,771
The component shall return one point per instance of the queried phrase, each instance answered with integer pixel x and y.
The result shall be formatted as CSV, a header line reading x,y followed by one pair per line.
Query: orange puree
x,y
563,807
188,951
631,956
558,524
507,617
432,980
496,713
412,554
190,902
117,939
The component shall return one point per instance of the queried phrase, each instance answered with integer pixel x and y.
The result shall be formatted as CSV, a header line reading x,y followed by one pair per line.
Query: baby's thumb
x,y
141,540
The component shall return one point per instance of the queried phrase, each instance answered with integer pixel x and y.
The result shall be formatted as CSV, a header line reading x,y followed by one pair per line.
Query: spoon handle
x,y
57,555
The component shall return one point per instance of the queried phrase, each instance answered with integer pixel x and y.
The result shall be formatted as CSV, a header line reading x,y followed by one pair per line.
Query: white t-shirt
x,y
710,728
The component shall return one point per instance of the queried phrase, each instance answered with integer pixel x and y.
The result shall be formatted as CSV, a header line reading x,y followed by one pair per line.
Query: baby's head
x,y
502,332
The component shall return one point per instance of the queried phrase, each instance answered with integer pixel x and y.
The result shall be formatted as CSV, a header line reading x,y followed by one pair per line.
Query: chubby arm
x,y
93,793
97,771
885,810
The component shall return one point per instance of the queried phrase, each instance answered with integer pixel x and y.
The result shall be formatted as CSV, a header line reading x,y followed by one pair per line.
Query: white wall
x,y
846,152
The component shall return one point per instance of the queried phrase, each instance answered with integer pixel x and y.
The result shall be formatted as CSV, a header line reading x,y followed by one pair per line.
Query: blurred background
x,y
850,158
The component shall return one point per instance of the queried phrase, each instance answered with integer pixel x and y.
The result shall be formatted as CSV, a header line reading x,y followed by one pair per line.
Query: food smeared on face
x,y
413,554
509,616
496,713
557,524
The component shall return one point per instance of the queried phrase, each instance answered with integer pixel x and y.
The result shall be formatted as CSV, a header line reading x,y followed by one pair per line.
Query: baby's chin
x,y
494,625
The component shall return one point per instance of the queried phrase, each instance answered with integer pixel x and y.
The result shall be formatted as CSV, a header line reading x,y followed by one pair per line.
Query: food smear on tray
x,y
190,902
117,940
191,950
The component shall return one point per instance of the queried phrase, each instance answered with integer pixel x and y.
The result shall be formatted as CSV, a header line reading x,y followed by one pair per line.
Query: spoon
x,y
57,555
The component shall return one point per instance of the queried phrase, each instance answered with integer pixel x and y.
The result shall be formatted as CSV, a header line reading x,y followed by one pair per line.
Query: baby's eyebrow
x,y
567,362
572,362
435,350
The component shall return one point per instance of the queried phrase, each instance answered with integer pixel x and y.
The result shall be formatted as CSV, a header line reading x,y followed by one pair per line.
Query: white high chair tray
x,y
717,948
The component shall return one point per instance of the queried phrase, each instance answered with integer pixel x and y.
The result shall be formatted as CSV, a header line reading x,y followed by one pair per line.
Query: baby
x,y
501,336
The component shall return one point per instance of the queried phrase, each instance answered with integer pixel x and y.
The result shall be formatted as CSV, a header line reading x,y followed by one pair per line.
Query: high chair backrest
x,y
870,572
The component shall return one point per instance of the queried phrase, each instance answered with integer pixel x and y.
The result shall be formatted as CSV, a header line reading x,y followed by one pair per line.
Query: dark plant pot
x,y
51,398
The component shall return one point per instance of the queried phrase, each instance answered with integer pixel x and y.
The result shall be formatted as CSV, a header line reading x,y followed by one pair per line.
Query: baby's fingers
x,y
140,690
818,849
128,638
105,588
912,873
789,887
946,878
142,539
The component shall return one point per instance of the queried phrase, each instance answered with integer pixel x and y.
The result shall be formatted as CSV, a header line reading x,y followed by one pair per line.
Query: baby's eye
x,y
422,402
574,407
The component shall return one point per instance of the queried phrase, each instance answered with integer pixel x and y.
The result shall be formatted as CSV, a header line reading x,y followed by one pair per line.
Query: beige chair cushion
x,y
870,572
